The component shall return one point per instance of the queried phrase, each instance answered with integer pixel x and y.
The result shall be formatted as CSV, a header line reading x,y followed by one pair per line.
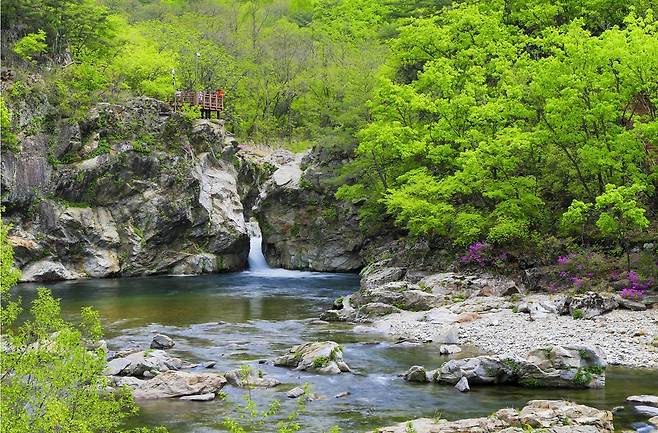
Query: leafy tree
x,y
620,214
51,372
31,45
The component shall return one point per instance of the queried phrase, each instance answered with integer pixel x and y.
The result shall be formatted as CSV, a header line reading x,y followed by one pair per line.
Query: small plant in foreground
x,y
578,313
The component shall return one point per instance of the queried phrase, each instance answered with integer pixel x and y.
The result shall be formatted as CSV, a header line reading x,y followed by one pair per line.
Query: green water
x,y
244,317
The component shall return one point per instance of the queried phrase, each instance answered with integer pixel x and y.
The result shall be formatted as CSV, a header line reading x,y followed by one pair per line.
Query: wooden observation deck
x,y
207,101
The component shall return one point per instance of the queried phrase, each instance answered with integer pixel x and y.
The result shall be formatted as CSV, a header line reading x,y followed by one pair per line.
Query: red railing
x,y
212,101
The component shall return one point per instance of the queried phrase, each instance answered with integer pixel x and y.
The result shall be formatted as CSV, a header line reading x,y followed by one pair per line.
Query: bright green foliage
x,y
6,132
620,214
31,45
491,119
51,376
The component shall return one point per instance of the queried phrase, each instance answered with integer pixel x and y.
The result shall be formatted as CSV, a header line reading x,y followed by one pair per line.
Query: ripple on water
x,y
244,317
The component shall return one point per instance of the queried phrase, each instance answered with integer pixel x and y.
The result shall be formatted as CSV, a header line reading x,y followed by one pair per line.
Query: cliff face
x,y
303,225
131,190
135,189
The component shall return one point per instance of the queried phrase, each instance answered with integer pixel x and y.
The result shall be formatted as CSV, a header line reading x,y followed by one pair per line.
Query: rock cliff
x,y
136,189
130,190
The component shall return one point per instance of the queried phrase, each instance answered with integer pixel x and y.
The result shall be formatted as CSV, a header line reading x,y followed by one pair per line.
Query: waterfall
x,y
256,258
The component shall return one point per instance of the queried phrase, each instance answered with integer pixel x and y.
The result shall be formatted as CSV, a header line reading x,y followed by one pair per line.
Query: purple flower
x,y
562,260
630,293
577,281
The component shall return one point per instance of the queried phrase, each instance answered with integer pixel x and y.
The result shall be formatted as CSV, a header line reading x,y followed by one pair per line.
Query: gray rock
x,y
592,304
295,392
342,394
250,379
553,416
136,364
46,270
209,364
199,397
416,373
648,400
449,349
161,341
322,357
178,384
646,410
462,385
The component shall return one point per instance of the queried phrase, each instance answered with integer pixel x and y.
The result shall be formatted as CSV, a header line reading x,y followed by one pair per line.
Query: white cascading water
x,y
256,258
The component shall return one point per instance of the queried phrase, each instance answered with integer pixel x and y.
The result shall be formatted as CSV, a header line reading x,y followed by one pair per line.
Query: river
x,y
243,317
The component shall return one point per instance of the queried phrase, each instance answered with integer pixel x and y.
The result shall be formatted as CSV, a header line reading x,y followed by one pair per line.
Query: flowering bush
x,y
475,254
483,255
636,287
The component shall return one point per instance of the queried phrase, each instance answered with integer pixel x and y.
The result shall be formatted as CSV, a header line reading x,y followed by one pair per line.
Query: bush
x,y
31,45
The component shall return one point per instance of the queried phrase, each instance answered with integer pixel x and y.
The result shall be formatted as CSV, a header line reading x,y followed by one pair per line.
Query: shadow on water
x,y
247,316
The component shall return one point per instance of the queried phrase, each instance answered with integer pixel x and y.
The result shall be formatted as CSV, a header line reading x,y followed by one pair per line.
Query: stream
x,y
243,317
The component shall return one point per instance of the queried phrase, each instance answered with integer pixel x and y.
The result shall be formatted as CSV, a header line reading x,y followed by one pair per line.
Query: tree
x,y
31,45
51,372
621,215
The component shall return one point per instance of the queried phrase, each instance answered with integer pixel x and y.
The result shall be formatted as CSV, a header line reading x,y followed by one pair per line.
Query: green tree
x,y
31,45
51,372
621,215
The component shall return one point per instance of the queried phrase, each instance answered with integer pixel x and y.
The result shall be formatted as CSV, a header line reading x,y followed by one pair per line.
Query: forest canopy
x,y
473,120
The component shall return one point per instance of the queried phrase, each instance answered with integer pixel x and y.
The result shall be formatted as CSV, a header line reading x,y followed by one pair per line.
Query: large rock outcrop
x,y
303,226
131,190
556,366
549,416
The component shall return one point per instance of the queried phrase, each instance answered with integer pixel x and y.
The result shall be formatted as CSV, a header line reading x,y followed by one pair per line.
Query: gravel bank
x,y
626,337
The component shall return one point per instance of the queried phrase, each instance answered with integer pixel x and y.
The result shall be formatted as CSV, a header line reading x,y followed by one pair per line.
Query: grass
x,y
321,361
578,313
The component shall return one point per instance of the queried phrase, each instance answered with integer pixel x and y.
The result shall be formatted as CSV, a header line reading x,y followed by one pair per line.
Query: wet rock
x,y
651,400
136,364
295,392
449,349
322,357
551,416
209,364
178,384
646,410
416,373
250,378
342,394
199,397
555,366
462,385
161,341
478,370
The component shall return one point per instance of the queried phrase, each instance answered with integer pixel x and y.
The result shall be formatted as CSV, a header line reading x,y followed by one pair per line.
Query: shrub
x,y
578,314
31,45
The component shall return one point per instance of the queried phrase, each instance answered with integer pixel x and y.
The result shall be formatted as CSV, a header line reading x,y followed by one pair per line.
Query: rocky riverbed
x,y
492,325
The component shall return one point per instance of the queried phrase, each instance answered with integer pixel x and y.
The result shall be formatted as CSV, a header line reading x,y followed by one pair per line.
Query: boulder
x,y
46,270
250,378
549,416
448,284
136,364
592,304
178,384
322,357
646,410
161,341
564,366
555,366
650,400
462,385
478,370
416,373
